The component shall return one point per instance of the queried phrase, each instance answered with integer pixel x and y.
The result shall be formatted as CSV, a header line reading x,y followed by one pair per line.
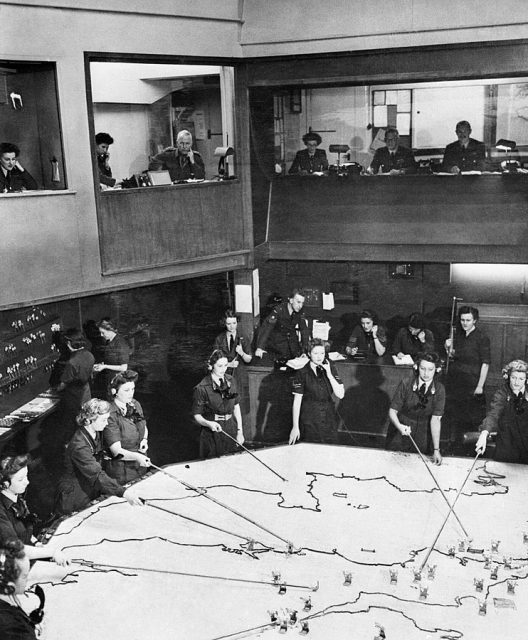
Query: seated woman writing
x,y
311,159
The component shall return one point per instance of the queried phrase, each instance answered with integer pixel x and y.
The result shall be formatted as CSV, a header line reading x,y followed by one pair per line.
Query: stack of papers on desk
x,y
405,359
335,355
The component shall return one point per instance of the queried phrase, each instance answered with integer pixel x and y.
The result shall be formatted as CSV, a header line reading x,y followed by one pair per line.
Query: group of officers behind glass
x,y
465,154
421,400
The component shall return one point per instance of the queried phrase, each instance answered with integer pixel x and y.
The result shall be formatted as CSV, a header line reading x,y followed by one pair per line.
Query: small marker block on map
x,y
393,576
431,571
494,572
417,575
495,545
451,552
348,578
511,586
423,593
483,607
305,629
479,584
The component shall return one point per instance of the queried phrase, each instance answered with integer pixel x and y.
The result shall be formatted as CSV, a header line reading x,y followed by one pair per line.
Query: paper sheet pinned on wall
x,y
243,298
328,301
320,330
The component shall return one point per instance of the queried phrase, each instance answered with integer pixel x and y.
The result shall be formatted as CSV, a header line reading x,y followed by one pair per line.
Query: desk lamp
x,y
339,149
222,153
509,165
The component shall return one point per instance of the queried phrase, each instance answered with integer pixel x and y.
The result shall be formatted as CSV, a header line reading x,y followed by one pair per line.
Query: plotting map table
x,y
344,510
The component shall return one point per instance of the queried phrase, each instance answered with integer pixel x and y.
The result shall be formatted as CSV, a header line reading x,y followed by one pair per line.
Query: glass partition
x,y
144,108
425,114
31,156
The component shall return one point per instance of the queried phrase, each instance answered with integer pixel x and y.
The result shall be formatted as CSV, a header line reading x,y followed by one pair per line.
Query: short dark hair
x,y
122,378
215,356
416,321
317,342
297,291
467,309
368,313
391,130
428,357
9,465
75,337
229,313
107,324
311,135
9,147
10,552
103,138
463,123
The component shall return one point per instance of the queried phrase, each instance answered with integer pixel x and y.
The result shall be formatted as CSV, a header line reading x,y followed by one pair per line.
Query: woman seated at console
x,y
15,519
13,176
126,434
15,623
508,416
216,409
368,339
315,417
84,479
311,159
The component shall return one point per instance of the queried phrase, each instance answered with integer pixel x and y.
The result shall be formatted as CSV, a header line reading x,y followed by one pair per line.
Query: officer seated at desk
x,y
394,158
13,176
181,162
466,154
367,339
311,159
414,338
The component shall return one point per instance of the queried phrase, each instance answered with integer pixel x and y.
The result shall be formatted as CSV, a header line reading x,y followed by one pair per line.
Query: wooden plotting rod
x,y
449,513
253,455
439,487
203,493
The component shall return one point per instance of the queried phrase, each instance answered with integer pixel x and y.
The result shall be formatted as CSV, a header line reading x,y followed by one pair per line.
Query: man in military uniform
x,y
284,334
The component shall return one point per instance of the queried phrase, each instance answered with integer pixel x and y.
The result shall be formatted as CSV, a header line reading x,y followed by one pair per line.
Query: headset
x,y
7,588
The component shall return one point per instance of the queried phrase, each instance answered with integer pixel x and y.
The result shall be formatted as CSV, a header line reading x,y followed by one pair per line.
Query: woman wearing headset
x,y
216,409
126,434
416,407
15,623
508,416
16,522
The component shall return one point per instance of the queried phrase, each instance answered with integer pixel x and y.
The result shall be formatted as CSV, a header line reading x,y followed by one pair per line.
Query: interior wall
x,y
128,124
343,25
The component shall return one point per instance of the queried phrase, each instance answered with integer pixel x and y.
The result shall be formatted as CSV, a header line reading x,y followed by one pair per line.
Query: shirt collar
x,y
121,406
418,383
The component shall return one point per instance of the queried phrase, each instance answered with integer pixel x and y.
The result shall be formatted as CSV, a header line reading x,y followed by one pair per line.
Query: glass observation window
x,y
143,108
31,155
425,114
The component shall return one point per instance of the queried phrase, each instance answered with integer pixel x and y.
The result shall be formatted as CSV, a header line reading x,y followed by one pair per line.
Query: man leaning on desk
x,y
466,154
181,161
393,159
13,176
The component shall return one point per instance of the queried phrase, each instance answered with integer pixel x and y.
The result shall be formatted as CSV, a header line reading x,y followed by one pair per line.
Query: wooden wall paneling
x,y
149,227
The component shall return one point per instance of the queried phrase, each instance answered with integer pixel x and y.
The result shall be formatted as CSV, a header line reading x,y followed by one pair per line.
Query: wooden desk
x,y
369,387
402,218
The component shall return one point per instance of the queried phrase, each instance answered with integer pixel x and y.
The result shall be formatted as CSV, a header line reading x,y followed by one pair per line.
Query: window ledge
x,y
38,193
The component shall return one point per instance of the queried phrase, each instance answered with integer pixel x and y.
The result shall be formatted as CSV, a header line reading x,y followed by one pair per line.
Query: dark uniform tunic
x,y
470,158
114,352
76,376
283,335
16,180
15,623
402,160
415,410
178,165
84,478
15,521
130,431
508,416
223,341
365,341
305,162
216,404
405,342
318,419
466,411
